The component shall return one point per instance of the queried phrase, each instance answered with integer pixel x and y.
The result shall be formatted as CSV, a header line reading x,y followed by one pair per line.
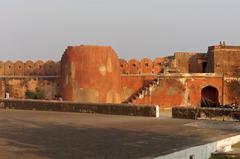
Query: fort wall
x,y
29,68
17,87
174,89
224,59
95,74
190,62
18,77
231,90
145,65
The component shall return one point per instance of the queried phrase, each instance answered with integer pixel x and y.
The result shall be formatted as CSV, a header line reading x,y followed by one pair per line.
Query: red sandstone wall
x,y
158,65
1,68
224,59
39,68
19,68
91,74
18,87
232,91
124,67
173,91
2,88
146,66
49,68
9,68
29,68
182,61
131,84
190,62
134,66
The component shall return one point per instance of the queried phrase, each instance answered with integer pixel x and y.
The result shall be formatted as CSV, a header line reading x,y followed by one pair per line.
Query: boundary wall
x,y
223,114
65,106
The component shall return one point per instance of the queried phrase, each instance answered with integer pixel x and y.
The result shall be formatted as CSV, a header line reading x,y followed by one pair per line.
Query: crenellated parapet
x,y
145,65
29,68
124,66
134,66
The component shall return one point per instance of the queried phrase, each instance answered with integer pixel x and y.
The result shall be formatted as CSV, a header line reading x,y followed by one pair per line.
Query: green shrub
x,y
38,94
30,94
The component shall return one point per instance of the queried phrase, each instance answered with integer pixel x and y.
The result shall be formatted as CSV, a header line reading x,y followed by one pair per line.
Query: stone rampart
x,y
18,86
29,68
144,66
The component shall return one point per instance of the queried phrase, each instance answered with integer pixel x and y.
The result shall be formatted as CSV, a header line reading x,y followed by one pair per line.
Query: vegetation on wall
x,y
37,94
234,88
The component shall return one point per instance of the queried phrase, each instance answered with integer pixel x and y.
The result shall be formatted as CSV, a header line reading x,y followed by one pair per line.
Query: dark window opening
x,y
146,64
204,67
192,157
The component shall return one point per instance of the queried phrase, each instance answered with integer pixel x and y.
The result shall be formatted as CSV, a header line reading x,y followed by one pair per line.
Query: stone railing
x,y
66,106
225,114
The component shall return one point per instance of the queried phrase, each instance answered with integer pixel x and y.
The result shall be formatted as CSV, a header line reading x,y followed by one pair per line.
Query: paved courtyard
x,y
55,135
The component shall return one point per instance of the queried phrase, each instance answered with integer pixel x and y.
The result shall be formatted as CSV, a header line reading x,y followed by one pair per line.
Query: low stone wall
x,y
184,112
64,106
226,114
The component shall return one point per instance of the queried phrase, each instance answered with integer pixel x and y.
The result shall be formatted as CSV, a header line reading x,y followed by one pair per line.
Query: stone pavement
x,y
55,135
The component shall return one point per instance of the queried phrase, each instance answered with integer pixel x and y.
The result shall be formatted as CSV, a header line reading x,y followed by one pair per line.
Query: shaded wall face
x,y
91,74
225,60
50,68
182,61
187,62
18,87
172,91
232,91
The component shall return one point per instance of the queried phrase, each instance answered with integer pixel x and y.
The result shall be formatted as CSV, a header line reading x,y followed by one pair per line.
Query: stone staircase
x,y
146,90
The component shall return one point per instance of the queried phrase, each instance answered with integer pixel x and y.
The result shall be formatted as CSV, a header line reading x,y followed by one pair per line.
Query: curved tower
x,y
90,74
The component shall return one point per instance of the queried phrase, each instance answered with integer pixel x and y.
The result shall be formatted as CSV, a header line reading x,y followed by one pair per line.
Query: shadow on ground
x,y
64,141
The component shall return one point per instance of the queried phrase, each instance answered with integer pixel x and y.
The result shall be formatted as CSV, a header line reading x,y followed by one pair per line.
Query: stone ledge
x,y
223,114
68,106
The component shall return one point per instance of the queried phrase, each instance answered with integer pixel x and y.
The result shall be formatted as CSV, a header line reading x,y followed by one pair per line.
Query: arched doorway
x,y
210,97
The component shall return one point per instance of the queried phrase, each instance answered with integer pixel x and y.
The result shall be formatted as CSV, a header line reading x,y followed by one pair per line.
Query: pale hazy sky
x,y
42,29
